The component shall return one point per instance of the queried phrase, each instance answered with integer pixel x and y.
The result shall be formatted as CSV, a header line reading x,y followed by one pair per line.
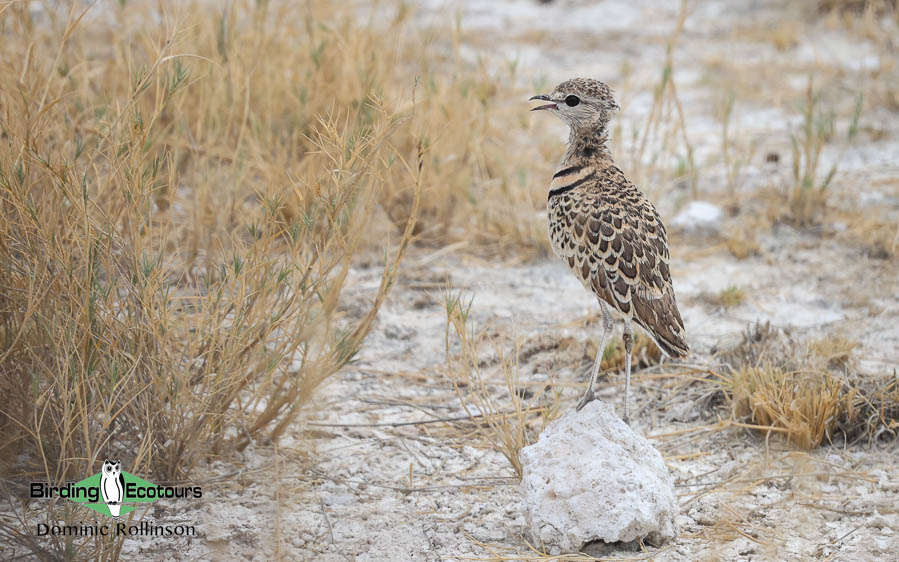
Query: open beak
x,y
543,97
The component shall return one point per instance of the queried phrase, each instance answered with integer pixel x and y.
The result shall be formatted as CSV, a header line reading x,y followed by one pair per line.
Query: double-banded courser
x,y
607,231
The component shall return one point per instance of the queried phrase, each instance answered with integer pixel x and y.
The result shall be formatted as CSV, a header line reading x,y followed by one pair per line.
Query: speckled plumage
x,y
614,241
606,230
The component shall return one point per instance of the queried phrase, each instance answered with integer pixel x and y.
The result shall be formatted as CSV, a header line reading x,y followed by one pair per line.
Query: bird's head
x,y
585,104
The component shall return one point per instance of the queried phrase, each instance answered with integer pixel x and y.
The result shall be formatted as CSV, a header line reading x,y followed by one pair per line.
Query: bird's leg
x,y
606,328
628,345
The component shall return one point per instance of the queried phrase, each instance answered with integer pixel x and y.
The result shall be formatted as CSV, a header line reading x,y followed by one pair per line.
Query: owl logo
x,y
112,485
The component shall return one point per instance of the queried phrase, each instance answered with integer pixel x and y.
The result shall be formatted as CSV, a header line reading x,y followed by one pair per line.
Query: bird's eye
x,y
572,101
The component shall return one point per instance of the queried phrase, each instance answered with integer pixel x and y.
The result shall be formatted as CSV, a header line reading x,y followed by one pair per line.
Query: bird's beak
x,y
543,97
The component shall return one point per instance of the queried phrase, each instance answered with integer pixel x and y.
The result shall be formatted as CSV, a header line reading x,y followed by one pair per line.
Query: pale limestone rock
x,y
590,477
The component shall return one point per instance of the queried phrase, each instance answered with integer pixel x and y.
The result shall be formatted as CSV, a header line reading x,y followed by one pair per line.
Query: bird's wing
x,y
619,248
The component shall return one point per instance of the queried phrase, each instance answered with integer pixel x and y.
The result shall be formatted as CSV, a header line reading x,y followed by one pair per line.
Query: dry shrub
x,y
512,422
180,205
183,192
178,221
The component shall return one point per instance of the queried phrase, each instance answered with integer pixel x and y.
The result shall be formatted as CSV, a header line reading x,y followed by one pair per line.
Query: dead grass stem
x,y
658,132
512,422
808,197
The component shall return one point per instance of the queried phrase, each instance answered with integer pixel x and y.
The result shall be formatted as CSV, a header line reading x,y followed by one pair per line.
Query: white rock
x,y
699,215
590,477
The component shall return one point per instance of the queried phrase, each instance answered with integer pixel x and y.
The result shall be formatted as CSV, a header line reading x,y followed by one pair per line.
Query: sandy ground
x,y
373,475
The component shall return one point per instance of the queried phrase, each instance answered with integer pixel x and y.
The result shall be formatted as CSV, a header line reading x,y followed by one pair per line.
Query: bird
x,y
607,231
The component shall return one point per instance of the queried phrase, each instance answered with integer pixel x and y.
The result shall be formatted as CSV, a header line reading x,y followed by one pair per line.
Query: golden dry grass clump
x,y
806,392
803,406
180,208
771,386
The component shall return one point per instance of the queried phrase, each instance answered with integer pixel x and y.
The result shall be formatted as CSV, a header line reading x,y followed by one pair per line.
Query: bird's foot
x,y
586,399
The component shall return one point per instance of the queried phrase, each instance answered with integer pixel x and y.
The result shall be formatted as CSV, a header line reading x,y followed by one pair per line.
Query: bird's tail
x,y
673,348
664,325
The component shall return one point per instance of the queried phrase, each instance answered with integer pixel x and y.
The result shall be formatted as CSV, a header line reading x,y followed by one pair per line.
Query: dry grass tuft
x,y
878,235
741,242
804,407
858,6
834,352
878,417
760,344
808,393
645,353
513,416
728,298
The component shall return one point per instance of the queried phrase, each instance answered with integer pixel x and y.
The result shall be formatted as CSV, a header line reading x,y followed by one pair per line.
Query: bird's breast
x,y
570,177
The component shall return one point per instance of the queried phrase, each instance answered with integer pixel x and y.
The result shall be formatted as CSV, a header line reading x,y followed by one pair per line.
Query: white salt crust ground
x,y
337,492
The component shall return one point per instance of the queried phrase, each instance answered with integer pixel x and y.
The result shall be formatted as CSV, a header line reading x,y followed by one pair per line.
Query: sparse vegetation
x,y
808,393
878,236
808,196
858,6
512,420
173,263
733,160
179,219
805,407
645,353
664,132
730,297
741,243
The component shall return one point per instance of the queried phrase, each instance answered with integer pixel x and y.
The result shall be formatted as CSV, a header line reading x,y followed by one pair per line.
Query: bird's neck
x,y
590,146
